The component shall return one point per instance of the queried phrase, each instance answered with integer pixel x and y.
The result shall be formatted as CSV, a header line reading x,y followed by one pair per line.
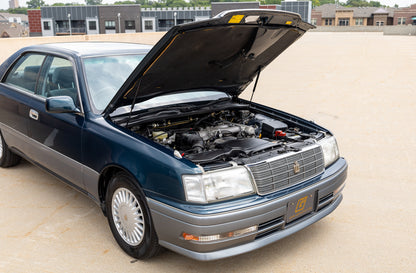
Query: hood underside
x,y
223,53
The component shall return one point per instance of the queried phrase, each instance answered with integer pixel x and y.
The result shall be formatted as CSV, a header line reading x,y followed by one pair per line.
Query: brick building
x,y
405,16
34,17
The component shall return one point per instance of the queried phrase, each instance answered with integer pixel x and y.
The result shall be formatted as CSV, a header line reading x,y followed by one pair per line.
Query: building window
x,y
92,25
328,22
380,24
130,24
46,25
401,21
110,24
148,24
359,22
313,21
166,23
343,21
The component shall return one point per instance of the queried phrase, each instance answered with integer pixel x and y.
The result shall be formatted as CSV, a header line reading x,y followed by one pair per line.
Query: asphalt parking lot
x,y
359,85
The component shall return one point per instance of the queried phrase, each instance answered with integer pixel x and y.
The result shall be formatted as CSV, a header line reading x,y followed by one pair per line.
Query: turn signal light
x,y
216,237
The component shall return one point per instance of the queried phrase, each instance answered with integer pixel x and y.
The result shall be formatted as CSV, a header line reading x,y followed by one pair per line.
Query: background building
x,y
12,30
304,8
13,25
162,19
80,20
13,4
34,17
405,16
333,15
218,7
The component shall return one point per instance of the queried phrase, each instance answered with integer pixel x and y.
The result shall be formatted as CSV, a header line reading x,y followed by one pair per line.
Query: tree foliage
x,y
17,11
362,3
93,2
316,3
64,4
323,2
34,4
125,3
270,2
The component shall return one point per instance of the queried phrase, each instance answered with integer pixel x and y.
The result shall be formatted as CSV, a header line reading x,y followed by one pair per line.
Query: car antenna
x,y
134,101
255,85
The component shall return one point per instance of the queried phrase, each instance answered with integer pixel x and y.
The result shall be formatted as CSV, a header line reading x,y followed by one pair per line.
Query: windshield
x,y
106,74
172,99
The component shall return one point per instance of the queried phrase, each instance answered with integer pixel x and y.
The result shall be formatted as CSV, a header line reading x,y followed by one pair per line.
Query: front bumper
x,y
270,216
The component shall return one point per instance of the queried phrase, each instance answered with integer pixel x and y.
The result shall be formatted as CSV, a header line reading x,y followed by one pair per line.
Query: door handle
x,y
33,114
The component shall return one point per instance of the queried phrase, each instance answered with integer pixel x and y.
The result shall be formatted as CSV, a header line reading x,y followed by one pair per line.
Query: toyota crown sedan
x,y
159,138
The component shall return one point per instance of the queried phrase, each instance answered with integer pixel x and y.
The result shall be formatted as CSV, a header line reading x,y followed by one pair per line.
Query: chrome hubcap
x,y
127,216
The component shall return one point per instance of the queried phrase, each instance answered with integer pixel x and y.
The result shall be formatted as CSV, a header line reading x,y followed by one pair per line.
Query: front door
x,y
47,27
58,137
92,26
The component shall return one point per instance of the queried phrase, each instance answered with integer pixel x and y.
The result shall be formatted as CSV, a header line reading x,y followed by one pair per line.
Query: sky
x,y
4,4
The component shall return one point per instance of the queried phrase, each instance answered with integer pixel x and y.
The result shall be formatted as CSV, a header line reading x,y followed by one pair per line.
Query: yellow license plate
x,y
300,207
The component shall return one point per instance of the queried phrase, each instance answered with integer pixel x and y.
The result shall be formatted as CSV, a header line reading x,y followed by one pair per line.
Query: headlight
x,y
330,150
217,185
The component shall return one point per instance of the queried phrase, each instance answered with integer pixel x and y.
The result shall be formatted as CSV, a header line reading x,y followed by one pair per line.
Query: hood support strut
x,y
255,85
134,101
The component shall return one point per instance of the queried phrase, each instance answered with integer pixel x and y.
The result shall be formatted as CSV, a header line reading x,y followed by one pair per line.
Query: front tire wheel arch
x,y
122,221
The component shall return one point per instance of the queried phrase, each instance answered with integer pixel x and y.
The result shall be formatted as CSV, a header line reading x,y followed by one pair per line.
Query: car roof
x,y
89,49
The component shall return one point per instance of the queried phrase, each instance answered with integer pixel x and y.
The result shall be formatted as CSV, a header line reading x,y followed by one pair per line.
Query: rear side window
x,y
25,72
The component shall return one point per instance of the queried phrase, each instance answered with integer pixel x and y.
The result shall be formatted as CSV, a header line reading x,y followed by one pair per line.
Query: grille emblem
x,y
296,167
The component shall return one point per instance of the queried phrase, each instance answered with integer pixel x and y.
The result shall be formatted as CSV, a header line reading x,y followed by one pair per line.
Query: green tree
x,y
124,3
17,11
93,2
362,3
33,4
271,2
323,2
316,3
200,3
375,4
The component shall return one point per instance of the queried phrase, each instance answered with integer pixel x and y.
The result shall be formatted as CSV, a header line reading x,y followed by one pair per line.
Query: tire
x,y
7,157
129,218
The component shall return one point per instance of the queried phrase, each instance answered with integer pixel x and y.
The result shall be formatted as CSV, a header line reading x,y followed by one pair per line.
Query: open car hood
x,y
224,53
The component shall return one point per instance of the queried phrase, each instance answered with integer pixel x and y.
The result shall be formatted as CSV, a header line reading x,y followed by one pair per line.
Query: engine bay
x,y
241,135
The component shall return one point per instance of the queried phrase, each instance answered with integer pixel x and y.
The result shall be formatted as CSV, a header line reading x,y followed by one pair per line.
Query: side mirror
x,y
61,104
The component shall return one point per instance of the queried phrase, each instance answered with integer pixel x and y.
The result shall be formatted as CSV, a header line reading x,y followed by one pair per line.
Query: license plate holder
x,y
300,207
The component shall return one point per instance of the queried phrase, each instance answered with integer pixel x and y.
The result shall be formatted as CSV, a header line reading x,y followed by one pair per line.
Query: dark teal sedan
x,y
159,138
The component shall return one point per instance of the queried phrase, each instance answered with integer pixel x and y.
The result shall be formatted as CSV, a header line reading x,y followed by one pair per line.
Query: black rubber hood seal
x,y
224,53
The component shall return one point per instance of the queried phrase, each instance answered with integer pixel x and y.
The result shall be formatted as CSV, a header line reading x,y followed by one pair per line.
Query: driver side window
x,y
59,79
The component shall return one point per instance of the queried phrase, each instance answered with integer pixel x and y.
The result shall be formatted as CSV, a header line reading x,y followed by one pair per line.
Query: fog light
x,y
216,237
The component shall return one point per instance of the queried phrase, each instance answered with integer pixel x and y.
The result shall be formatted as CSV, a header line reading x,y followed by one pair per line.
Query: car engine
x,y
228,135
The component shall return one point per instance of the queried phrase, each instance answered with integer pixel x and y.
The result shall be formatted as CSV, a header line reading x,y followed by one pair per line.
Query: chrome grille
x,y
279,173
